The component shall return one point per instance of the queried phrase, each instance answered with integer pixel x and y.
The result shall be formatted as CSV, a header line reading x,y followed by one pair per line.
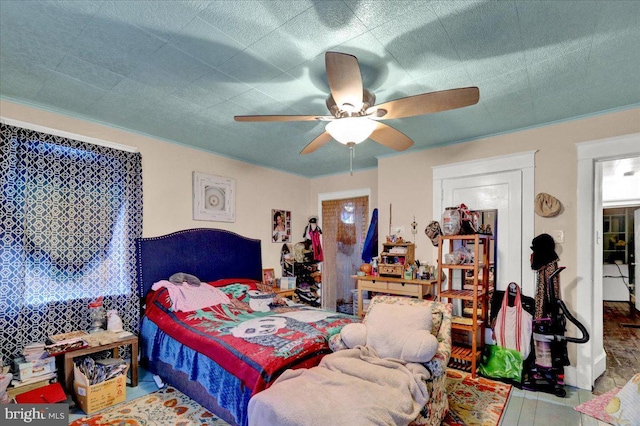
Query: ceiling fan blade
x,y
345,80
428,103
316,143
390,137
283,117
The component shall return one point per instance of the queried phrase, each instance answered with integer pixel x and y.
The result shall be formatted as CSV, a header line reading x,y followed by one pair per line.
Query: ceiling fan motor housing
x,y
368,100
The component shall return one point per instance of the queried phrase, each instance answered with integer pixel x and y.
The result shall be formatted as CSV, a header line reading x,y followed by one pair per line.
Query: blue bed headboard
x,y
209,254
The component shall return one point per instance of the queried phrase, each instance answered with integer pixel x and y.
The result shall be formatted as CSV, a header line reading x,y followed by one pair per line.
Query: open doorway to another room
x,y
344,224
621,317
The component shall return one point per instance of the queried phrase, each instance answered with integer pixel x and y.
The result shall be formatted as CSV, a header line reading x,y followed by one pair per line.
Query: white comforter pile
x,y
349,387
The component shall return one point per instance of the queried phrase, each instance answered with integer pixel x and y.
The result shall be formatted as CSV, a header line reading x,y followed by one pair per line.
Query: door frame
x,y
592,359
341,195
508,227
523,162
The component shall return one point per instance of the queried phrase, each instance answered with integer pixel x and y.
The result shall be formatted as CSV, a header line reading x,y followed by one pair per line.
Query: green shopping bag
x,y
501,363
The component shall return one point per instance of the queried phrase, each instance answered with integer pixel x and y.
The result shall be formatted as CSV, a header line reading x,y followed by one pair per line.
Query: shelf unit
x,y
393,258
474,287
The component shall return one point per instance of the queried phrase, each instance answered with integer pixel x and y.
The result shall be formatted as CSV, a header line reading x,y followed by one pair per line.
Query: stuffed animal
x,y
395,331
180,278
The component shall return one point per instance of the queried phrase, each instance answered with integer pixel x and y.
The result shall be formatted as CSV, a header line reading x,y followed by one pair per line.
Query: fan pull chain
x,y
352,154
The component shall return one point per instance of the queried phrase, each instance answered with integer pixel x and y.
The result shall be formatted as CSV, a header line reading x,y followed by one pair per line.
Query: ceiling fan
x,y
354,115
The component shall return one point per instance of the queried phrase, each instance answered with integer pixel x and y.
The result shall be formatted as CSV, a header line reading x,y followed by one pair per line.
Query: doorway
x,y
592,358
345,219
621,320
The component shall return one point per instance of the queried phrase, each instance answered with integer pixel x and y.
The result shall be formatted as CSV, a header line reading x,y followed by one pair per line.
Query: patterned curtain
x,y
69,216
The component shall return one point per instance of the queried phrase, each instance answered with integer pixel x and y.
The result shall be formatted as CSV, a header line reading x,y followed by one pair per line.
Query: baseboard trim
x,y
571,376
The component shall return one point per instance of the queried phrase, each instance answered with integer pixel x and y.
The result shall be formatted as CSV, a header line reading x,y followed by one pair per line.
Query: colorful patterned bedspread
x,y
254,346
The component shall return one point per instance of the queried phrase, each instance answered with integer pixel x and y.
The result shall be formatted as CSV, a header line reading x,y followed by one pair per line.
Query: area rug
x,y
478,401
165,407
596,407
472,402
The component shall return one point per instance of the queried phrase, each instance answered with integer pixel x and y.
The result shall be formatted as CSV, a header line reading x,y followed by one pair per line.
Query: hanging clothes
x,y
312,233
370,249
316,244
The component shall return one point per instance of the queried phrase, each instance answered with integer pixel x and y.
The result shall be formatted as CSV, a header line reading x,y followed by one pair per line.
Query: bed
x,y
222,355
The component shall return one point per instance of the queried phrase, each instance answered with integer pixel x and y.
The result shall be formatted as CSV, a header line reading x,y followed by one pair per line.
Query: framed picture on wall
x,y
214,198
280,226
269,277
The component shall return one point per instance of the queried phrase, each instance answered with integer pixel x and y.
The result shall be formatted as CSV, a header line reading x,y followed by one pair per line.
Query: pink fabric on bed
x,y
186,298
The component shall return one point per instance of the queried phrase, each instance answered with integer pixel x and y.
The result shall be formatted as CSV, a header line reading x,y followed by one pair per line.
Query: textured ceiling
x,y
180,70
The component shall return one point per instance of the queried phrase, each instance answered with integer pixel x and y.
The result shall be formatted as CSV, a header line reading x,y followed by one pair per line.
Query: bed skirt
x,y
194,374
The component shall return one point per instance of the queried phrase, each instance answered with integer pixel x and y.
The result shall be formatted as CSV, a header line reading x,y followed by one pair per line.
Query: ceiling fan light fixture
x,y
351,129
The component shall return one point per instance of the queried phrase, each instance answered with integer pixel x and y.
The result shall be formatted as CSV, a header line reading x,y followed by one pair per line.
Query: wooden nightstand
x,y
285,292
127,341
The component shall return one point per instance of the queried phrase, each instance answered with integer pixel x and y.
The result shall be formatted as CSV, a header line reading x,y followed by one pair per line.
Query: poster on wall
x,y
281,226
214,198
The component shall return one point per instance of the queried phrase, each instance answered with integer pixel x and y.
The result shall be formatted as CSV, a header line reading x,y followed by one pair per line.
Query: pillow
x,y
180,278
354,334
401,332
420,347
189,298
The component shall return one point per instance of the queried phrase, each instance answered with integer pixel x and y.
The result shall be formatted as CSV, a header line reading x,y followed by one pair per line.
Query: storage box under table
x,y
92,398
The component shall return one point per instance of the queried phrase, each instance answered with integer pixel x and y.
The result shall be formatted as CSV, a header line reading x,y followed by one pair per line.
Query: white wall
x,y
621,190
614,288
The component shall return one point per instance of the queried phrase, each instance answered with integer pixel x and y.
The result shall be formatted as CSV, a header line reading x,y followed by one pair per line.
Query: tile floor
x,y
527,408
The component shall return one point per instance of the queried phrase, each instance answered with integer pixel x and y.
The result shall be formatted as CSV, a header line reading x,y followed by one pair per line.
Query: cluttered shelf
x,y
466,259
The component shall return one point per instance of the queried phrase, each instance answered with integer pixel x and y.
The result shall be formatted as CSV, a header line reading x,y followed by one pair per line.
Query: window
x,y
618,228
70,214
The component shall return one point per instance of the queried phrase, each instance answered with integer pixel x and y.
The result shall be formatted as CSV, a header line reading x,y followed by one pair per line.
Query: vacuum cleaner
x,y
546,373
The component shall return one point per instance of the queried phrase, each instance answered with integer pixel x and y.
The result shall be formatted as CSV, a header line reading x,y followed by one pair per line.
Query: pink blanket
x,y
187,298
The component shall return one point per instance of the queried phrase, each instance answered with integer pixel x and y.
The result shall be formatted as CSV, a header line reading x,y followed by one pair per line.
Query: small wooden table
x,y
127,341
396,286
285,292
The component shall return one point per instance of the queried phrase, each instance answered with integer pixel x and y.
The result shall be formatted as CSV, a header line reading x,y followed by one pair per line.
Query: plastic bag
x,y
501,363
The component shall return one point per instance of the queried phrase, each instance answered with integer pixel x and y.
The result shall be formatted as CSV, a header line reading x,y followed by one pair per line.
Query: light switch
x,y
558,236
